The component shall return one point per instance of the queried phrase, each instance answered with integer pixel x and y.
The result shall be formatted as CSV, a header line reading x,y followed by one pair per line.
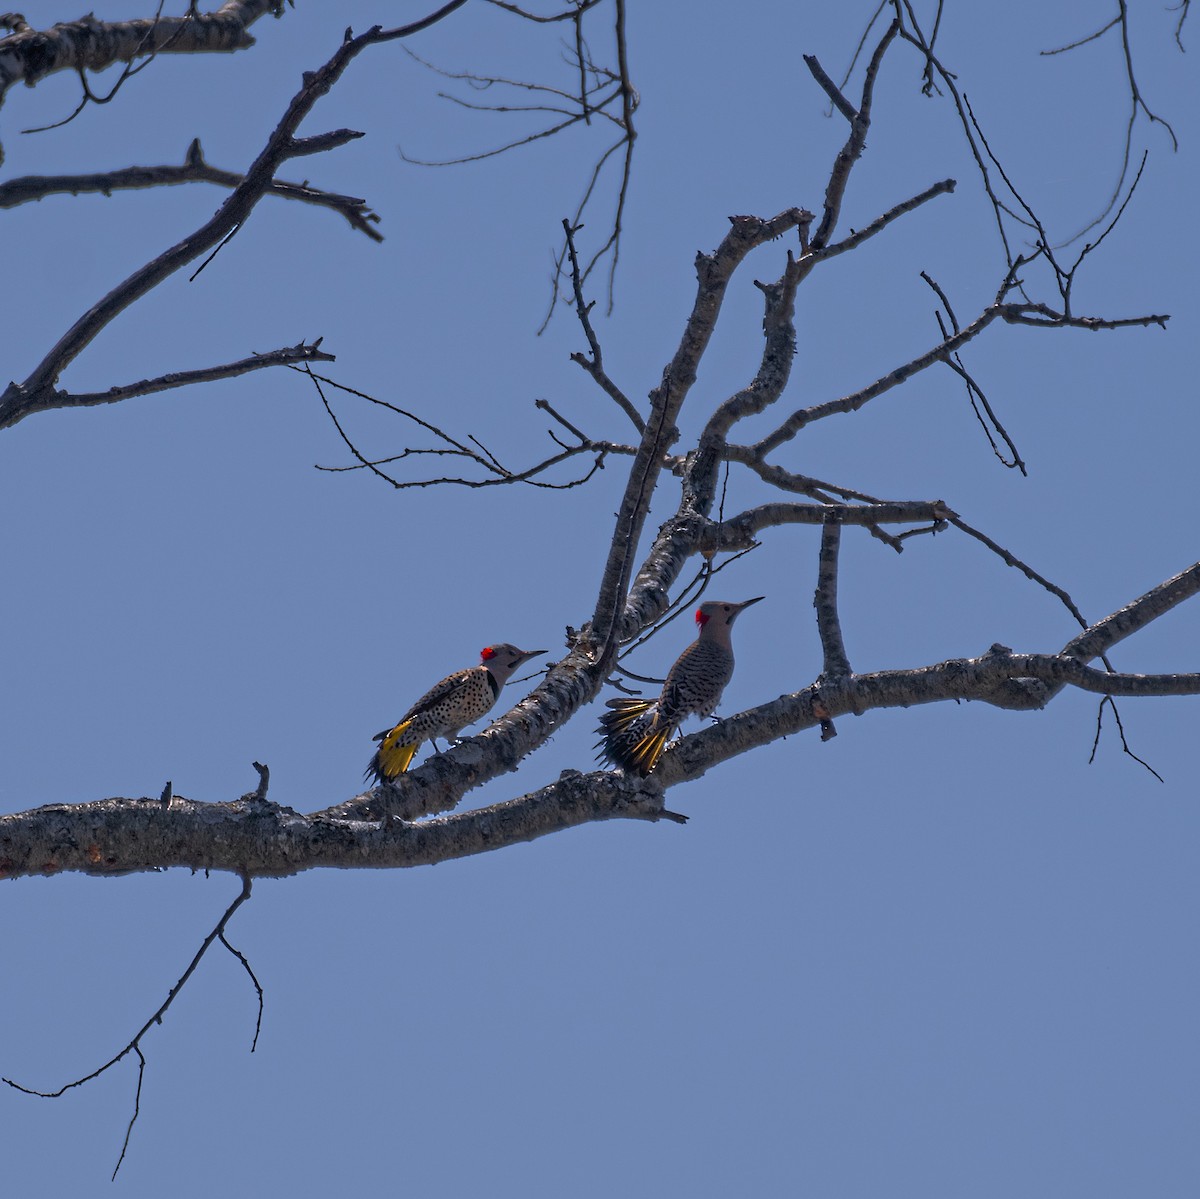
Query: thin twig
x,y
134,1045
127,72
594,365
241,957
1108,699
1010,559
1083,41
499,474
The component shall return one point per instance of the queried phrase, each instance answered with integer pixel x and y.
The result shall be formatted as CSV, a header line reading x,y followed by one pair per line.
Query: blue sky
x,y
939,955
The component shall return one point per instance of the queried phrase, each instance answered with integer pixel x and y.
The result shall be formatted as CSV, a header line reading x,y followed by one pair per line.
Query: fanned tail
x,y
393,756
631,736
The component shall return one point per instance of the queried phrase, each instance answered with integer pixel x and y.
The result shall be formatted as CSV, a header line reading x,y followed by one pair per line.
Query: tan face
x,y
506,657
722,611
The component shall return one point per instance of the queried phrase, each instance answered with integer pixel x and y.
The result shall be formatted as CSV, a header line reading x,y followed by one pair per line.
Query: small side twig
x,y
1010,559
453,448
987,418
594,365
1108,699
127,72
836,663
241,957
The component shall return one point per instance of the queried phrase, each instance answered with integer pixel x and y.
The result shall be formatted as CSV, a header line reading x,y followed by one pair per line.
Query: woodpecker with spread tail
x,y
458,700
636,731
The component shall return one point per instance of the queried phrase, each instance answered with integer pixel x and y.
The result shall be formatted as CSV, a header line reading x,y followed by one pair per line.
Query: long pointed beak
x,y
531,653
747,603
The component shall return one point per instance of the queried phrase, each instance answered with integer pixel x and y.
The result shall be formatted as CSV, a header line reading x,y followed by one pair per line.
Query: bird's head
x,y
502,659
722,612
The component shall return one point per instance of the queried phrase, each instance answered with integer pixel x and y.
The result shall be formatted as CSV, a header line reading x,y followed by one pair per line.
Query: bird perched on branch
x,y
636,731
458,700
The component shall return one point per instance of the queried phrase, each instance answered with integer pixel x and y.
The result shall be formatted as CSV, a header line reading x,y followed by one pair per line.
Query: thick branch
x,y
264,840
737,532
774,370
256,838
713,273
1104,634
89,44
1018,682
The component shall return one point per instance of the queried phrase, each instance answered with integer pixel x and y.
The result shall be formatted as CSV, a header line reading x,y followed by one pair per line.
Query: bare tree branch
x,y
28,56
300,352
496,475
1109,702
1018,682
829,626
365,832
574,11
856,238
666,400
1099,638
604,91
1182,8
988,420
95,855
737,532
37,391
1037,315
193,170
594,365
851,152
1136,104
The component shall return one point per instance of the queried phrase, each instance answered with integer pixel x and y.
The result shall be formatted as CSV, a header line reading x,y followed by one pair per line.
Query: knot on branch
x,y
1020,695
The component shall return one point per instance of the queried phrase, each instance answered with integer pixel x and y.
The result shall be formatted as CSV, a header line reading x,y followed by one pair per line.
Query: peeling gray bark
x,y
90,44
256,838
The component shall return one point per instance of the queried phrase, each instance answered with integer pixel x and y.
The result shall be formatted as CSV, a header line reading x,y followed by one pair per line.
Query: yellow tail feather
x,y
624,713
645,754
394,758
631,736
